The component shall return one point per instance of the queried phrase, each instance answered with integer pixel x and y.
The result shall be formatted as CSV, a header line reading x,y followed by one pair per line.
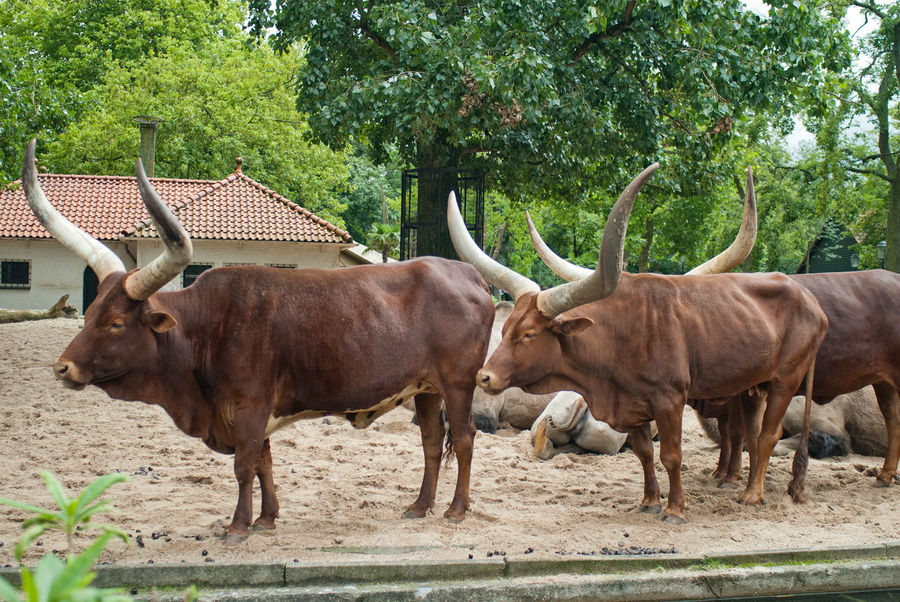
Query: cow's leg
x,y
669,424
269,511
246,456
776,402
889,402
724,448
428,415
642,444
249,439
735,436
751,420
462,433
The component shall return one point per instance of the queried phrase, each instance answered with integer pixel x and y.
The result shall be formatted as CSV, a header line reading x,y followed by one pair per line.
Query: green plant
x,y
384,238
52,578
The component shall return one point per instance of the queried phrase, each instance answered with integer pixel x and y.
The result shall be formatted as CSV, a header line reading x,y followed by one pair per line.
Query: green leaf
x,y
25,540
120,533
77,571
56,490
97,487
8,592
24,506
48,569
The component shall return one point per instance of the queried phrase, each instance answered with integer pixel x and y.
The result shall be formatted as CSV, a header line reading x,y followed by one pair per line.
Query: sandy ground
x,y
343,491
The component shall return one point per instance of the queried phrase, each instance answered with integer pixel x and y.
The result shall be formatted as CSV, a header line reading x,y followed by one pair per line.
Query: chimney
x,y
147,124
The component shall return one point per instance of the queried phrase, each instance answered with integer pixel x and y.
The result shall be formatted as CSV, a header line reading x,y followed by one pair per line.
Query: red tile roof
x,y
110,207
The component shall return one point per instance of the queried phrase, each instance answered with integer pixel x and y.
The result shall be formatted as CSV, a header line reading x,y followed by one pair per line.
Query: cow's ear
x,y
572,326
160,321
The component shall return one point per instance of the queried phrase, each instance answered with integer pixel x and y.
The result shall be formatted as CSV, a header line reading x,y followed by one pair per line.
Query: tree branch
x,y
372,35
871,7
610,32
871,172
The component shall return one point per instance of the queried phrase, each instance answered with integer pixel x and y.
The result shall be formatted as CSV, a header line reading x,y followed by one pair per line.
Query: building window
x,y
15,273
191,273
282,265
230,264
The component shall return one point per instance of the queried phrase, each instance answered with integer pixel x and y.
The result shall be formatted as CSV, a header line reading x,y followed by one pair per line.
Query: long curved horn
x,y
725,261
738,251
562,268
604,280
98,256
494,273
177,254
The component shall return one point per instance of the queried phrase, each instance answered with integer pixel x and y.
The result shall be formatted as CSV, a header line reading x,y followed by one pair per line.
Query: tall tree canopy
x,y
545,96
55,51
226,101
870,93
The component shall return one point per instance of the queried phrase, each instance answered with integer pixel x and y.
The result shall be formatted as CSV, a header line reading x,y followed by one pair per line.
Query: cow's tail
x,y
801,456
448,438
539,442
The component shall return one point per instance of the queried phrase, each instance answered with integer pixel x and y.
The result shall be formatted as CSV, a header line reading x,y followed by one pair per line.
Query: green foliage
x,y
367,185
858,136
71,515
55,51
53,579
230,101
384,238
509,86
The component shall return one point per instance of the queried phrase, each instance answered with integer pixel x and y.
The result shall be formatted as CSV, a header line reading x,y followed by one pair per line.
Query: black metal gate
x,y
423,209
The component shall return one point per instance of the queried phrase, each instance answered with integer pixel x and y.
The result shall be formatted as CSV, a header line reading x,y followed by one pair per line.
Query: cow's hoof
x,y
454,517
881,484
672,519
231,538
414,513
727,485
263,525
651,509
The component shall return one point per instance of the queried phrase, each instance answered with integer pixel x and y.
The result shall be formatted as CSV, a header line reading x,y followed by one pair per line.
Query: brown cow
x,y
862,347
519,409
247,350
637,347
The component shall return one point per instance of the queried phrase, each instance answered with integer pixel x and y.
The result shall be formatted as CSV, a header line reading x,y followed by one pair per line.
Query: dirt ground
x,y
343,491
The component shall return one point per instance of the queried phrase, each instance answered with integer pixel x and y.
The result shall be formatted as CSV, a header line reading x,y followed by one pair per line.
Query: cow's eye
x,y
527,336
117,325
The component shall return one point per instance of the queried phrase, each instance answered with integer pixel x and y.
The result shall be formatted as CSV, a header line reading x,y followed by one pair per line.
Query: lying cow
x,y
852,423
639,346
513,407
247,350
567,421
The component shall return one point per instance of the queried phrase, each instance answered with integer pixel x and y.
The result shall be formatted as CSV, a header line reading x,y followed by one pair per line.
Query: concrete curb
x,y
645,577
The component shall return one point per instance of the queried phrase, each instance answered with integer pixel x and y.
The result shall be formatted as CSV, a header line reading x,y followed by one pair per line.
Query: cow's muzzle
x,y
489,381
71,376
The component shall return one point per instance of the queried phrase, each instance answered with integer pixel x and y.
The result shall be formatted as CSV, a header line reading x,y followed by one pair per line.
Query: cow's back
x,y
862,345
692,329
334,340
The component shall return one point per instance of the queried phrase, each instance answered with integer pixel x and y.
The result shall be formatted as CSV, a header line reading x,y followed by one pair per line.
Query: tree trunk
x,y
495,254
892,252
436,178
58,310
644,257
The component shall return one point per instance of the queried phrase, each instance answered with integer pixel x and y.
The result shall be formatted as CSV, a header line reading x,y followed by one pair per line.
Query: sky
x,y
857,25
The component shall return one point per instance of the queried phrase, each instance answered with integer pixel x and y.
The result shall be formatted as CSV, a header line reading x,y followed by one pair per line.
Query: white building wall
x,y
56,271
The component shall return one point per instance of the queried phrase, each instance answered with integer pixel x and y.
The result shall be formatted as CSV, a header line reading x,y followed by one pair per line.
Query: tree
x,y
368,185
874,90
54,51
227,101
384,238
550,97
